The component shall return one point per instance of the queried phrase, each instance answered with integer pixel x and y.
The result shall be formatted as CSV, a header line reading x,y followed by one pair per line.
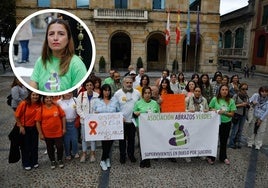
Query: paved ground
x,y
249,168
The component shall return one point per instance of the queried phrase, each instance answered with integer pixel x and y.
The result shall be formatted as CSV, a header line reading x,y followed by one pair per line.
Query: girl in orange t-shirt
x,y
25,120
51,125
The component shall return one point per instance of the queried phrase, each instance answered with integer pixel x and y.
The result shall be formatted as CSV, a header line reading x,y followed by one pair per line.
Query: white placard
x,y
104,126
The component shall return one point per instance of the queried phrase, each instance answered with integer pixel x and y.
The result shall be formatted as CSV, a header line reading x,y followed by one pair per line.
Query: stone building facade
x,y
128,29
244,36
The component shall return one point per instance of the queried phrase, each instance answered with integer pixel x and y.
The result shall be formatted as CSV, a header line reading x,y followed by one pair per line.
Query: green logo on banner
x,y
180,135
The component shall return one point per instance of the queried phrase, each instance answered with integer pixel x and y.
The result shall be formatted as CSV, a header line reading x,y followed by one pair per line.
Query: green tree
x,y
7,20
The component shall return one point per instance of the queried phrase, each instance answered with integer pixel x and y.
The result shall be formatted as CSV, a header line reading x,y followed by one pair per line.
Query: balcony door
x,y
121,4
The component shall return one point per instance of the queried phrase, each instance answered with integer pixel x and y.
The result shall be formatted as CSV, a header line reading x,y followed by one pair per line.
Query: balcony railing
x,y
121,15
233,52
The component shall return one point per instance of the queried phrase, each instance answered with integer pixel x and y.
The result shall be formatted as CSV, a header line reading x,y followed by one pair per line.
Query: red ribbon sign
x,y
93,125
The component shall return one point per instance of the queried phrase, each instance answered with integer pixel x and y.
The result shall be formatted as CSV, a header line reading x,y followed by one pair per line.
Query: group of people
x,y
52,119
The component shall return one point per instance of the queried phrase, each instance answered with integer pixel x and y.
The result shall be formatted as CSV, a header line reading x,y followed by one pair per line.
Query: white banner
x,y
104,126
172,135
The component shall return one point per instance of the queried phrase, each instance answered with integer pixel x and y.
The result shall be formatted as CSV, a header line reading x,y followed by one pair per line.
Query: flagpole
x,y
188,34
186,58
196,40
195,54
178,33
167,38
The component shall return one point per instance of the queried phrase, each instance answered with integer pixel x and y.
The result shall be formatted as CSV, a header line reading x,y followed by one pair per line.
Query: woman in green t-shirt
x,y
224,105
145,105
58,68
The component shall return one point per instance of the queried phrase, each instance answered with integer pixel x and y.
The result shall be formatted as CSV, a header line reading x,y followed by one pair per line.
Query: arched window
x,y
261,46
265,15
239,38
228,39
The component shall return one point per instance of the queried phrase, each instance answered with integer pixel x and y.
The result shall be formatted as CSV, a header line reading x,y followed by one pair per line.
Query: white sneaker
x,y
27,168
76,156
103,165
257,147
16,58
203,158
108,163
250,145
188,159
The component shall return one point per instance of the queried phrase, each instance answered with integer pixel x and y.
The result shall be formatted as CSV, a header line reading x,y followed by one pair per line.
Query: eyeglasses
x,y
244,89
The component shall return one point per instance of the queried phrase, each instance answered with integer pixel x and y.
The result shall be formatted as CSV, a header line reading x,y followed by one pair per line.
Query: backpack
x,y
9,99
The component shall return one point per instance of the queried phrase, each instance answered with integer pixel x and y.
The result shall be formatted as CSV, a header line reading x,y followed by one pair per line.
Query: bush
x,y
102,63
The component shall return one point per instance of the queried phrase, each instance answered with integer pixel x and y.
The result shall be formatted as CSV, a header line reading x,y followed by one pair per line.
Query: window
x,y
195,4
121,4
220,41
159,4
43,3
228,39
265,16
261,46
82,3
239,38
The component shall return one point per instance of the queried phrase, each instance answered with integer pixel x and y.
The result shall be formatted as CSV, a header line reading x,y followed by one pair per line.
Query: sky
x,y
231,5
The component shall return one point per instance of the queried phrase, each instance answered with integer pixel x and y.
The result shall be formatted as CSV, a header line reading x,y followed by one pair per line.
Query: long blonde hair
x,y
67,54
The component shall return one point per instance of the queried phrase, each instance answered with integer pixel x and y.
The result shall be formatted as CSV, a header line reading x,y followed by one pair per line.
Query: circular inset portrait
x,y
56,52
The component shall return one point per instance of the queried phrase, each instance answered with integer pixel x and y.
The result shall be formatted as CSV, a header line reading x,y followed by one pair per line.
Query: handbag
x,y
77,123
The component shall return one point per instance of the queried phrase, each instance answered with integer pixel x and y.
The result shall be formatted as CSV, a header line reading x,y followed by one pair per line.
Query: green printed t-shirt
x,y
223,105
48,78
146,107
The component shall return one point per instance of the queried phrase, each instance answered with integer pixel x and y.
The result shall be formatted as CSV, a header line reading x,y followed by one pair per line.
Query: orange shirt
x,y
26,113
163,92
51,120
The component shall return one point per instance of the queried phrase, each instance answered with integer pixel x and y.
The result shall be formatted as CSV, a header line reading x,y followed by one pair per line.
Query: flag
x,y
188,31
197,28
178,32
168,30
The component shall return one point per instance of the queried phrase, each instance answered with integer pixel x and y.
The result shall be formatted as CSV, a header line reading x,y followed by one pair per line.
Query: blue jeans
x,y
236,134
24,50
84,142
70,138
